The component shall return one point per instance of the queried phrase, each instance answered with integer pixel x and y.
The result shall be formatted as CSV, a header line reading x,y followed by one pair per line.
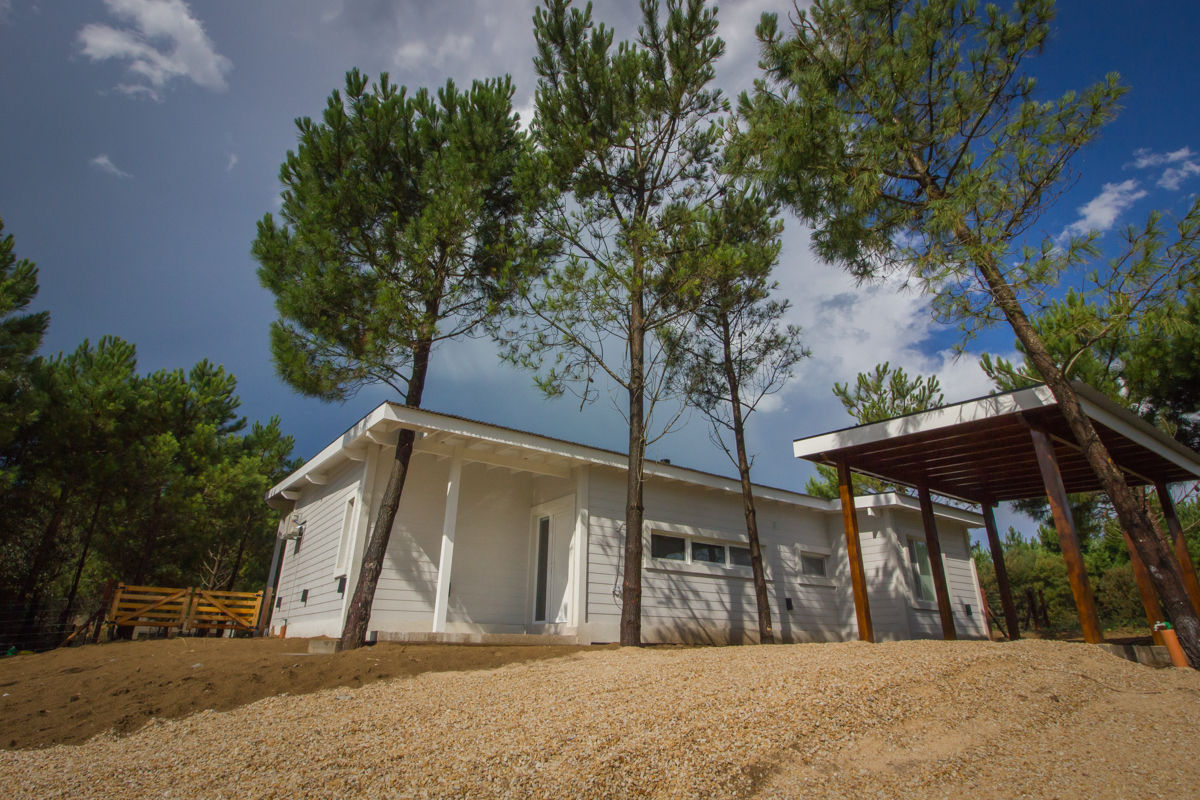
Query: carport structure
x,y
1010,446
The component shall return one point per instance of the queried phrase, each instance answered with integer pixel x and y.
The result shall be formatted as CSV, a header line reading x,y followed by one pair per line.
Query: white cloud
x,y
104,163
452,49
1100,213
1144,157
233,160
1173,176
163,41
1180,165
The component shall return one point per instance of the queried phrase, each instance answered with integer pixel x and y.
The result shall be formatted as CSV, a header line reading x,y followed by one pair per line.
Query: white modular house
x,y
505,535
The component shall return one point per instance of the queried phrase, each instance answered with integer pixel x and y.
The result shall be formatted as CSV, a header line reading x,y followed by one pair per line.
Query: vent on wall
x,y
304,597
342,585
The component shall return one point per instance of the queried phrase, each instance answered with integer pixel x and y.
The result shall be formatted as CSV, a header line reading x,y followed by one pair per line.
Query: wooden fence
x,y
187,609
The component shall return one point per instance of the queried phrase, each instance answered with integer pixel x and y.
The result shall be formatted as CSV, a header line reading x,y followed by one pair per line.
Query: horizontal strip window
x,y
685,550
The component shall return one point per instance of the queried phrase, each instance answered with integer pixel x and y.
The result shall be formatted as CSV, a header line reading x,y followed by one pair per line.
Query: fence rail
x,y
187,609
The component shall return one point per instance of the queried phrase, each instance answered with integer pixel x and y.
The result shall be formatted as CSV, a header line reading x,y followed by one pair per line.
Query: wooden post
x,y
934,546
1068,540
449,523
1006,600
858,576
1153,608
1180,544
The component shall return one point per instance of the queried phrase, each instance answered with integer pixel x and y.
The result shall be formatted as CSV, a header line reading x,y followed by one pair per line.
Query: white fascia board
x,y
1136,430
581,453
390,416
897,500
331,456
984,408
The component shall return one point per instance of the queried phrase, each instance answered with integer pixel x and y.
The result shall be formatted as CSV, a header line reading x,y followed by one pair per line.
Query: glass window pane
x,y
922,572
739,556
708,553
812,565
669,547
543,562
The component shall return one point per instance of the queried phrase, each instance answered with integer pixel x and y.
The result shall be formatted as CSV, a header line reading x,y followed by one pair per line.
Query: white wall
x,y
322,510
490,567
709,604
923,618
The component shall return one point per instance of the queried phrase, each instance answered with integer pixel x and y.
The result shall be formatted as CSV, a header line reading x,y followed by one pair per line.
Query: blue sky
x,y
142,140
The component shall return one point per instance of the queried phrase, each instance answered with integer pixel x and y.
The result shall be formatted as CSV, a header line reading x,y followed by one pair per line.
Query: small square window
x,y
669,547
740,557
708,553
812,565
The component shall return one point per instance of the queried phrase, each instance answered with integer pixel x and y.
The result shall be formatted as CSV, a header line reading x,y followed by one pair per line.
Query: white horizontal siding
x,y
322,510
680,605
489,576
925,622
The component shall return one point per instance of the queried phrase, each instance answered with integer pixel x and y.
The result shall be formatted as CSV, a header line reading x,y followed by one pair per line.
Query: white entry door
x,y
553,527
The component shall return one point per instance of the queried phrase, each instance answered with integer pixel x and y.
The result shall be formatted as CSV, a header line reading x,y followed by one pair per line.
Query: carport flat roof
x,y
980,450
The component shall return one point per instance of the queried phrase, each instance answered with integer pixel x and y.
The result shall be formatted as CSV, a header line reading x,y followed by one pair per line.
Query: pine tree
x,y
628,147
399,231
908,133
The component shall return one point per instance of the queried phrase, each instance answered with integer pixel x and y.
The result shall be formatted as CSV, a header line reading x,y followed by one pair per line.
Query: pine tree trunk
x,y
358,615
765,633
1157,557
87,541
631,586
1154,552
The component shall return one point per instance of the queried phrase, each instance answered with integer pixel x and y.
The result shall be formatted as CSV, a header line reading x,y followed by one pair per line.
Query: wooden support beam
x,y
858,576
1068,540
1006,600
1180,546
934,545
441,600
1150,604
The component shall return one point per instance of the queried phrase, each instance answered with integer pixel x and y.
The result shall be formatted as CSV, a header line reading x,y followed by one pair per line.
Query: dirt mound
x,y
67,696
909,719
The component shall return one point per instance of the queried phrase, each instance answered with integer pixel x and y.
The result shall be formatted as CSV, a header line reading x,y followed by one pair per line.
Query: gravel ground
x,y
909,719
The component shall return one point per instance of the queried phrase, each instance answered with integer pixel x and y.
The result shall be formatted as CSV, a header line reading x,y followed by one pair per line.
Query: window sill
x,y
923,605
815,580
702,569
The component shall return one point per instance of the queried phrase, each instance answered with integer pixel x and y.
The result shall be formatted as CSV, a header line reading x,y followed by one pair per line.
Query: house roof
x,y
521,450
980,450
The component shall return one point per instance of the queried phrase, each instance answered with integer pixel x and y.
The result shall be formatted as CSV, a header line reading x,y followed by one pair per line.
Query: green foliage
x,y
144,479
887,393
628,142
20,336
735,349
877,395
399,229
908,134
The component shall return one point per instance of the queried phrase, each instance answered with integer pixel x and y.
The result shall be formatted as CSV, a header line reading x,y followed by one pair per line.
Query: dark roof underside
x,y
994,459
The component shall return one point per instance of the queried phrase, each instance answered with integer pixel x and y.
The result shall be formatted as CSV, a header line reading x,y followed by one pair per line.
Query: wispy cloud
x,y
105,164
1180,165
417,53
233,160
1100,213
161,41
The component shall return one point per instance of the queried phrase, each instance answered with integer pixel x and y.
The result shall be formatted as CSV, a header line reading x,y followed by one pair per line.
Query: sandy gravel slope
x,y
911,719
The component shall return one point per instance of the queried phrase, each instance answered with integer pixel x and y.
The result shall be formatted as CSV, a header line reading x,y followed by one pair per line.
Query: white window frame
x,y
913,579
341,566
689,535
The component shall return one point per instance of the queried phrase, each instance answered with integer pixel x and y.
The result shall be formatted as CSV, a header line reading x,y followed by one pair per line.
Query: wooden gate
x,y
186,609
